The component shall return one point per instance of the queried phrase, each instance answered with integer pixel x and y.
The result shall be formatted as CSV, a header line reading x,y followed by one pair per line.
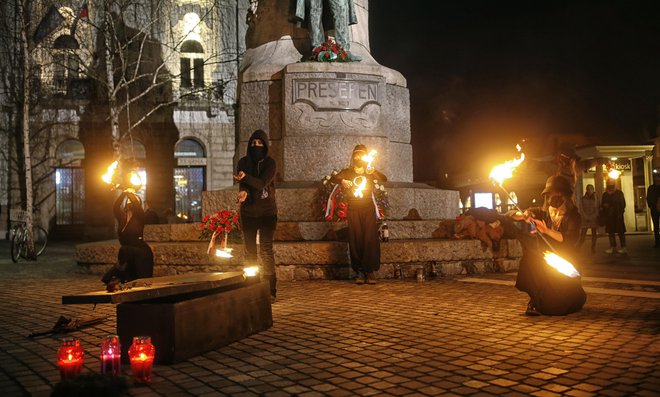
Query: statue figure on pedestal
x,y
319,16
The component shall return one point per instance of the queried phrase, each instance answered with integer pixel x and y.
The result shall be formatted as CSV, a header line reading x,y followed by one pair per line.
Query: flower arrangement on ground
x,y
218,226
334,199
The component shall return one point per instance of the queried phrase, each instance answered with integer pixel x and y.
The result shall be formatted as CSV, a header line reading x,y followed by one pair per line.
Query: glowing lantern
x,y
251,271
141,355
560,264
70,357
111,355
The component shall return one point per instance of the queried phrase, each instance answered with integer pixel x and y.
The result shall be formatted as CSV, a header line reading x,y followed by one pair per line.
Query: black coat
x,y
613,205
259,181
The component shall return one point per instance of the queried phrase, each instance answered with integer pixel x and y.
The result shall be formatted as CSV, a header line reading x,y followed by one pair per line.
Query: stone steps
x,y
305,231
318,259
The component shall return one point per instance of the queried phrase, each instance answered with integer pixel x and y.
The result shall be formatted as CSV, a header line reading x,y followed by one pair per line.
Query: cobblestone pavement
x,y
442,337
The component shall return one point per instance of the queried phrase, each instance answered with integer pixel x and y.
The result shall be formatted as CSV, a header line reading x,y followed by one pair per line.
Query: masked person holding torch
x,y
551,292
135,259
256,196
363,240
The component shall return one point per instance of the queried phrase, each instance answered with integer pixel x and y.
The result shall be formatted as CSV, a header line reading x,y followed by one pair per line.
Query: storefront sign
x,y
619,165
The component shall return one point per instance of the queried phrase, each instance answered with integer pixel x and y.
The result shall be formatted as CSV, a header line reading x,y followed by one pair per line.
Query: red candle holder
x,y
111,355
70,358
141,355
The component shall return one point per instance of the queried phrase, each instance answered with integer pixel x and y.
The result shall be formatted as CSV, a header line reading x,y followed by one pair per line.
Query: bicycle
x,y
20,235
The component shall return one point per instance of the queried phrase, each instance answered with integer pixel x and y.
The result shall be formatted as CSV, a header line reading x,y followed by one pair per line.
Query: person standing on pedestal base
x,y
363,239
256,176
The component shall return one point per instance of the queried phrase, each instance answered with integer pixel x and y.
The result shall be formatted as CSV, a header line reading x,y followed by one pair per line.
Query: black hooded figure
x,y
135,259
551,292
362,216
256,177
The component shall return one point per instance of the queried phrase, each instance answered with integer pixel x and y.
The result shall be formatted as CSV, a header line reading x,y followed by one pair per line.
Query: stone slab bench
x,y
319,259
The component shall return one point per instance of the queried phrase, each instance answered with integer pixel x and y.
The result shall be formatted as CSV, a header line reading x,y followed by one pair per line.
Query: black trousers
x,y
363,240
265,225
655,217
133,262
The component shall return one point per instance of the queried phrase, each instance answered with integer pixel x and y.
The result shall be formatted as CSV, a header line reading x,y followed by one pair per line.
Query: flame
x,y
70,356
359,186
110,173
504,171
224,253
251,271
614,174
135,179
560,264
369,158
143,357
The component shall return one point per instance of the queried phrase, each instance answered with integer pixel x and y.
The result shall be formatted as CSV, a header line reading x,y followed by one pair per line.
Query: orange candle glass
x,y
111,355
70,357
141,355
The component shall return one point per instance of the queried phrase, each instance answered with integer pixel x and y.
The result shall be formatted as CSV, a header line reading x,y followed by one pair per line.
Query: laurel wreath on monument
x,y
334,199
329,51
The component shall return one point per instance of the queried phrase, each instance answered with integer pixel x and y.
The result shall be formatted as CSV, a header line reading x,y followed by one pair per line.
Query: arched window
x,y
132,148
71,149
65,61
188,148
192,64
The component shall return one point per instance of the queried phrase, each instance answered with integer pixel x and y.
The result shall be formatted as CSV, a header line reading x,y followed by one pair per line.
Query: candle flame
x,y
143,357
70,356
359,186
504,171
369,158
251,271
560,264
614,174
224,253
110,173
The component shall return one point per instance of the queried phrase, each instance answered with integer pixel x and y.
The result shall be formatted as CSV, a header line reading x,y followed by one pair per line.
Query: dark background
x,y
485,74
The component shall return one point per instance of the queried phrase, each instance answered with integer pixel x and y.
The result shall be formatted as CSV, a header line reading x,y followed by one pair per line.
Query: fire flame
x,y
359,186
560,264
251,271
504,171
110,173
614,174
135,179
369,158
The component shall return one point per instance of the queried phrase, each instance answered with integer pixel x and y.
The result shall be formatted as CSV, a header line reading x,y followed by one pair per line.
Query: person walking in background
x,y
363,239
653,200
589,216
613,205
256,196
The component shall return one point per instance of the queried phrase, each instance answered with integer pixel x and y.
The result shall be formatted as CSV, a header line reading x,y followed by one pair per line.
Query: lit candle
x,y
111,355
141,355
70,358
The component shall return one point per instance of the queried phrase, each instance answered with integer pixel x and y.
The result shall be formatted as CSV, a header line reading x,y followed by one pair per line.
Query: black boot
x,y
272,280
532,309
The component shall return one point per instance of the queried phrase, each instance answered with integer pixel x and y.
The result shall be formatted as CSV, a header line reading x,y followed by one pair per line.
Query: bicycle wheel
x,y
17,244
40,239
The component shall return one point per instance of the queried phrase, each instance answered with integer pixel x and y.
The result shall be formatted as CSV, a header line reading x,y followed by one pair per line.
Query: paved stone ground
x,y
442,337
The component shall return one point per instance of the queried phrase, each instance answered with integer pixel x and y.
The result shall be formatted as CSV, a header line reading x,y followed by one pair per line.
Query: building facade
x,y
176,116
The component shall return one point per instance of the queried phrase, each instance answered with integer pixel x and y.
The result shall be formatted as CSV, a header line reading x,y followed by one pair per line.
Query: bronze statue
x,y
319,16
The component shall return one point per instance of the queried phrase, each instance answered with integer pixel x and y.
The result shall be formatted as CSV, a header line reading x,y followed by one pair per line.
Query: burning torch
x,y
501,173
121,180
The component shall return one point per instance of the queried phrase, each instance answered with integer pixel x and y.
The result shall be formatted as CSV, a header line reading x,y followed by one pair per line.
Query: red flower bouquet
x,y
329,51
218,225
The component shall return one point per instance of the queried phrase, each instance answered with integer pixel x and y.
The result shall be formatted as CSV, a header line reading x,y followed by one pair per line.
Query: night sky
x,y
485,74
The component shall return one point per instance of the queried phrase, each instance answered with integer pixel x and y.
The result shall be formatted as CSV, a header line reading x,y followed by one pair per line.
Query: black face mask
x,y
257,152
555,201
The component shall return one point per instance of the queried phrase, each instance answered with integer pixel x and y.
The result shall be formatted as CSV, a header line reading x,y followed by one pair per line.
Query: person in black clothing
x,y
256,177
150,216
135,259
550,292
653,200
613,205
363,240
